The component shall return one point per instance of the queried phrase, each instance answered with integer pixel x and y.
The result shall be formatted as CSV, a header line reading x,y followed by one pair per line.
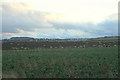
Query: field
x,y
99,62
115,38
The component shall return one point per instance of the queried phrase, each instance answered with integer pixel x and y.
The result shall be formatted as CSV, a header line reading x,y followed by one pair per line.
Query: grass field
x,y
61,63
106,38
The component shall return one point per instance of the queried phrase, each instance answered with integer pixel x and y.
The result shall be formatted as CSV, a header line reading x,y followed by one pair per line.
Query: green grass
x,y
106,39
61,63
0,63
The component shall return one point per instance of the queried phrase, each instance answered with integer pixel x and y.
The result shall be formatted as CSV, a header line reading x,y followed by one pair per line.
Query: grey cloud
x,y
26,22
74,26
107,27
13,20
110,26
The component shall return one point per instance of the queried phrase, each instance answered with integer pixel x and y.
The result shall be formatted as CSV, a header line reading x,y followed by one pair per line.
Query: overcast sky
x,y
59,18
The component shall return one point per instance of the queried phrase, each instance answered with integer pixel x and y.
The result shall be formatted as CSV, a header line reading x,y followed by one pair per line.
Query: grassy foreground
x,y
61,63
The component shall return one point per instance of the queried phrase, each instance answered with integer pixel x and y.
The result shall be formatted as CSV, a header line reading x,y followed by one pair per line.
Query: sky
x,y
59,18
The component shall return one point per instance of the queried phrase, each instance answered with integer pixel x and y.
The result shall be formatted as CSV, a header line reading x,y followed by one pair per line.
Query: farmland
x,y
61,63
94,58
65,44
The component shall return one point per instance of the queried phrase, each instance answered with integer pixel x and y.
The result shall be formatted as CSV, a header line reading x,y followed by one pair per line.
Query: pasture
x,y
96,62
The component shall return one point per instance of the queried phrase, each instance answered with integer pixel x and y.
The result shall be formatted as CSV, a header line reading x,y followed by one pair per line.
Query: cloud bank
x,y
19,20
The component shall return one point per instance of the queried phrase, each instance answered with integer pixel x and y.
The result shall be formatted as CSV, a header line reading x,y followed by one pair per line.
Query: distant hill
x,y
29,39
105,38
19,39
